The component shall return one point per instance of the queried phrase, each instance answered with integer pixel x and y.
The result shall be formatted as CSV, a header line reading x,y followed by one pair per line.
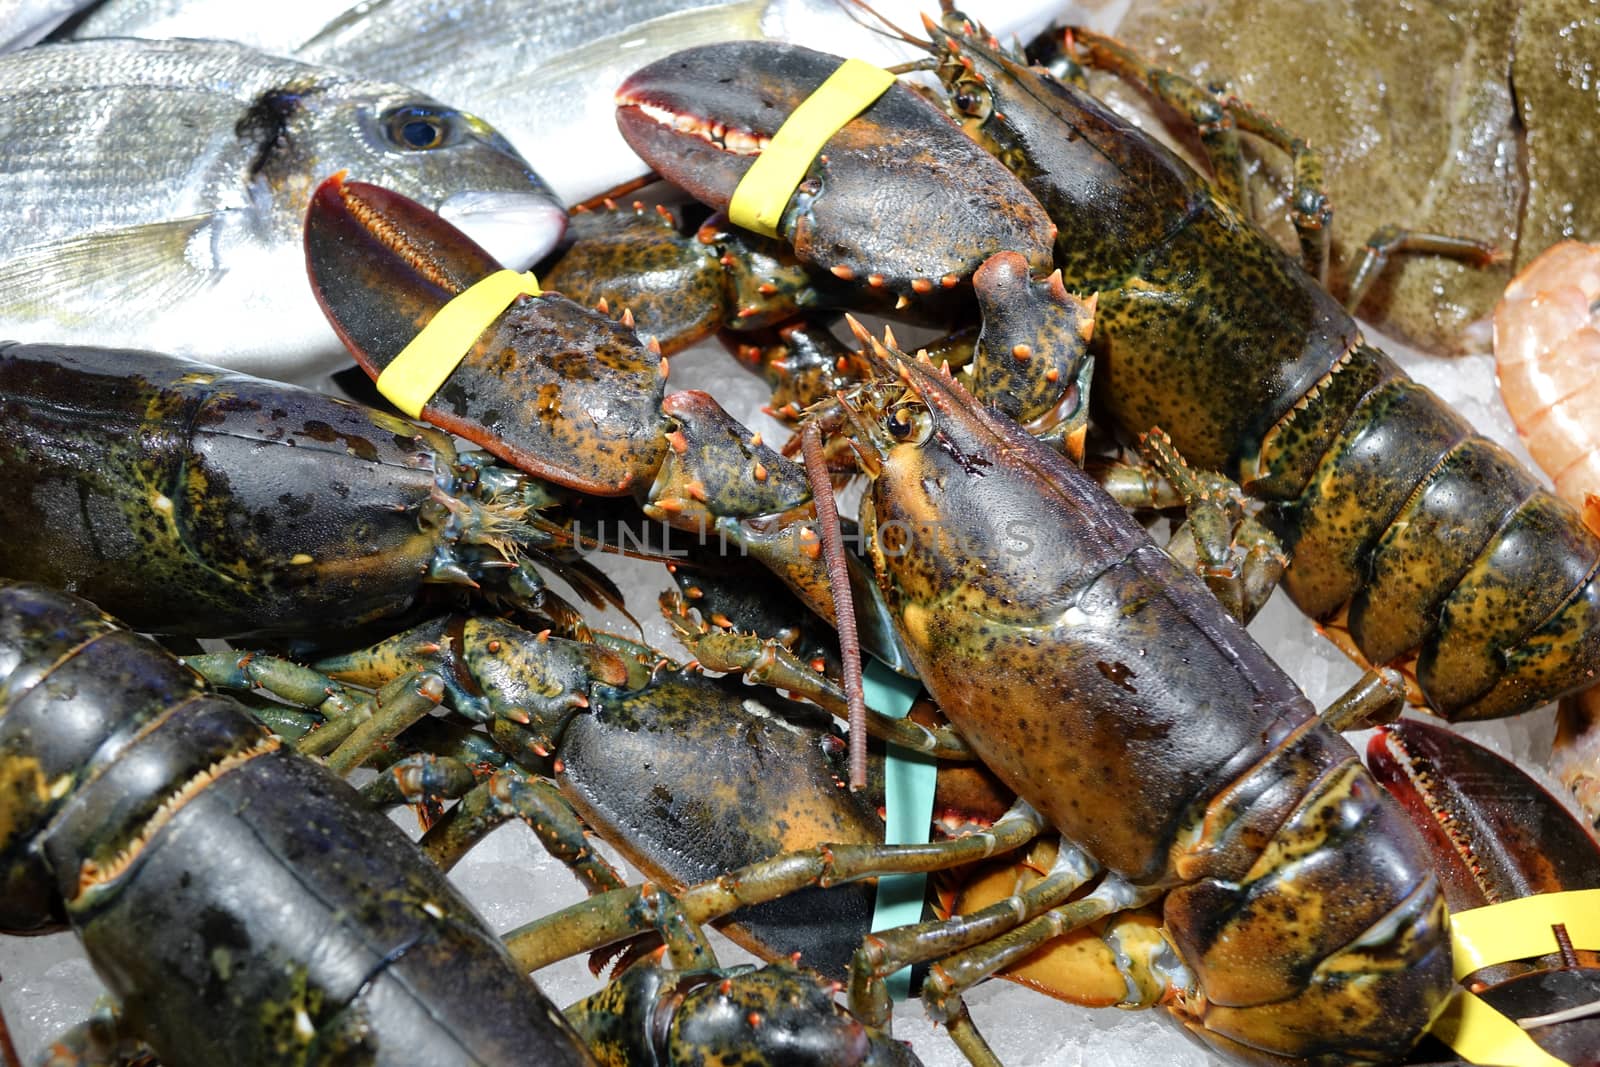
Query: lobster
x,y
1104,685
1496,836
307,961
1414,541
187,499
223,884
686,775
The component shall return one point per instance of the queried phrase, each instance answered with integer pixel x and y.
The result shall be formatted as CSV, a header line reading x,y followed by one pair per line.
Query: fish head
x,y
445,159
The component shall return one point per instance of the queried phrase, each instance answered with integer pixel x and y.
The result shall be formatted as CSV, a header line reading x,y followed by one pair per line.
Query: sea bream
x,y
543,71
154,193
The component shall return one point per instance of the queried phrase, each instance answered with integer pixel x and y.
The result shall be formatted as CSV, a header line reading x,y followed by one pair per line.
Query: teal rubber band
x,y
909,779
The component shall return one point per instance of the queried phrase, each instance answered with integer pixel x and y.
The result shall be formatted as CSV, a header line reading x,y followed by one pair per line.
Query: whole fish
x,y
154,193
543,71
22,22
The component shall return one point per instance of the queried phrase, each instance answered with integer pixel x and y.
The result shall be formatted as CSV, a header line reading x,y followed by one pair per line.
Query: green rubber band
x,y
909,779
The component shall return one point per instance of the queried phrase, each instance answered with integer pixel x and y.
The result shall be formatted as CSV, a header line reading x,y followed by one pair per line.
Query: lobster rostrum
x,y
1425,545
160,820
191,500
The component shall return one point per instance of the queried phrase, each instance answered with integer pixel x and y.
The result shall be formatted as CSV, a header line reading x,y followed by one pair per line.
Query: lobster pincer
x,y
711,114
1512,860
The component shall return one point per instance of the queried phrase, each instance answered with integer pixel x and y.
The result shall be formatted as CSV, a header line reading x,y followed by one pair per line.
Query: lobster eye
x,y
972,100
416,129
909,422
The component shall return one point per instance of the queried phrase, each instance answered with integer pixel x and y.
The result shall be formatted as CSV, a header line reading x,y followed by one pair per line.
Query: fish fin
x,y
129,270
357,15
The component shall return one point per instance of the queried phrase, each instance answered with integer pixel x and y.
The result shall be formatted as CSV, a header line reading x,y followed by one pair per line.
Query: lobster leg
x,y
767,662
510,794
354,725
1237,557
608,918
942,995
887,951
424,781
1218,120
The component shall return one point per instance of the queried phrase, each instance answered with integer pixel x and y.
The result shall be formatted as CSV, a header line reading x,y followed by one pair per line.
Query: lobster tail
x,y
1430,541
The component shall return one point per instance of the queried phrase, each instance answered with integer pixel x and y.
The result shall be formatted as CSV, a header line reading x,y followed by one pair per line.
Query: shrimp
x,y
1547,351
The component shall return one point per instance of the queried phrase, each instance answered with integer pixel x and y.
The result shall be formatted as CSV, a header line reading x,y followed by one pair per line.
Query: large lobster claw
x,y
552,387
1498,835
898,197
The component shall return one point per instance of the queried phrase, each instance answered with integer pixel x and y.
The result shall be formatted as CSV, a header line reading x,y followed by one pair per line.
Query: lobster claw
x,y
561,391
898,197
1496,835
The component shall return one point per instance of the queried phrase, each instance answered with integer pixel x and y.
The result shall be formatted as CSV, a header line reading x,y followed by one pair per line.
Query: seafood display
x,y
548,83
157,190
1133,805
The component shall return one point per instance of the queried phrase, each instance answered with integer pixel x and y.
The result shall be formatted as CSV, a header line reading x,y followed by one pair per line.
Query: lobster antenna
x,y
844,608
884,26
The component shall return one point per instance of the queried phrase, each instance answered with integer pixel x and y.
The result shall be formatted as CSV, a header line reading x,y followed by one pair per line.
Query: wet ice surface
x,y
48,986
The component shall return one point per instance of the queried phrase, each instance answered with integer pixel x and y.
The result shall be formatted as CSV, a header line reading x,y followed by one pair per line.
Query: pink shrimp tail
x,y
1547,351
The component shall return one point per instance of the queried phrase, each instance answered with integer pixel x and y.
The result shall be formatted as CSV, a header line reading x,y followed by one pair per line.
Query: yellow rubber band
x,y
1499,933
412,378
764,192
1479,1034
1516,929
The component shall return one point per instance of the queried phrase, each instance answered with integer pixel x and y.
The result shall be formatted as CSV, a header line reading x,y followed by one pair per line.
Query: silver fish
x,y
154,193
22,22
281,27
543,71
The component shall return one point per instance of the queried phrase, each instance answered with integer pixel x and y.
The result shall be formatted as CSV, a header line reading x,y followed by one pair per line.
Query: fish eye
x,y
417,129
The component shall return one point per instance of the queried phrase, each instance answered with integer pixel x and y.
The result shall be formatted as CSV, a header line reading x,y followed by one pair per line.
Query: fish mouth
x,y
518,228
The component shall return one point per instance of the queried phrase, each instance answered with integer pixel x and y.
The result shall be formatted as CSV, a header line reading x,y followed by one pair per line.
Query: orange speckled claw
x,y
555,388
